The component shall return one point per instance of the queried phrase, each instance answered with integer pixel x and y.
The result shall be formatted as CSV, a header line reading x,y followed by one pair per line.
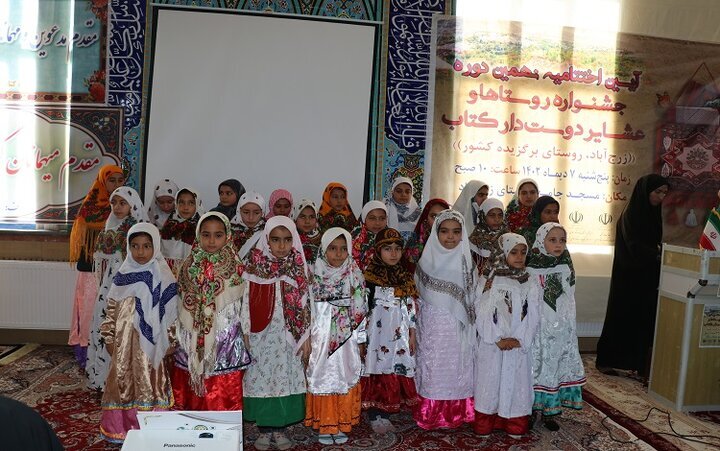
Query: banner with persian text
x,y
583,114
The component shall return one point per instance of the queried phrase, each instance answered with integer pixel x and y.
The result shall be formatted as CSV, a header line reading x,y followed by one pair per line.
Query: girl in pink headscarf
x,y
280,203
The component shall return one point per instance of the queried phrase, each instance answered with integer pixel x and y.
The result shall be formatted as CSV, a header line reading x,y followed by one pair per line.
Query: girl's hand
x,y
246,339
413,342
363,351
304,352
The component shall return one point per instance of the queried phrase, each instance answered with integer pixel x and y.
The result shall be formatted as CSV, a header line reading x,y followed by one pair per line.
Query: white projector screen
x,y
273,101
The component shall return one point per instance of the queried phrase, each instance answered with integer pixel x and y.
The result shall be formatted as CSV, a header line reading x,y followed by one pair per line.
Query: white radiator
x,y
36,295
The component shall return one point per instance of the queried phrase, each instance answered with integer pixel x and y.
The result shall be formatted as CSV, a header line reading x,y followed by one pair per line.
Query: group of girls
x,y
294,313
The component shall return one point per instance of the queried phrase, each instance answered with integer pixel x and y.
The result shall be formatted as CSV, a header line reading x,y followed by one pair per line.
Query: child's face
x,y
481,195
120,207
528,194
306,220
432,214
251,214
494,218
376,220
282,207
166,203
115,181
450,233
516,257
550,213
186,205
338,199
337,252
141,249
555,242
213,235
281,242
402,193
227,196
391,254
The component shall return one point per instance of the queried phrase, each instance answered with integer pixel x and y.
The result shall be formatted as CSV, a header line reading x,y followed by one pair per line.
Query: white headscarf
x,y
165,187
250,197
155,291
402,217
137,210
300,206
465,203
199,210
331,281
273,223
509,240
370,206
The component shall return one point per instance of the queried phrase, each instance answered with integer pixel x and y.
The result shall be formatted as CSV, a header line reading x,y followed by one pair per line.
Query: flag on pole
x,y
710,238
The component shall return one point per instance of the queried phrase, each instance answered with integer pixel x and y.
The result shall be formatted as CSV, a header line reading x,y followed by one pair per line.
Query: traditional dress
x,y
142,307
557,368
156,216
246,238
516,214
329,217
447,282
465,203
486,241
211,356
363,240
503,381
277,302
627,335
310,241
178,234
338,326
109,255
239,190
414,246
276,196
535,217
88,223
389,367
402,217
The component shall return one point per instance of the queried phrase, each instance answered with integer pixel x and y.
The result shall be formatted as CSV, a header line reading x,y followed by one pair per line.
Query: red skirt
x,y
222,392
388,392
484,424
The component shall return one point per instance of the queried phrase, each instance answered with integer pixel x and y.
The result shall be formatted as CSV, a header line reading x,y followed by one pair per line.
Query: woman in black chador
x,y
627,335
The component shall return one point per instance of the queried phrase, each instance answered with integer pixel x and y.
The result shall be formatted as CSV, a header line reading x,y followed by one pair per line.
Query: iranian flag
x,y
710,238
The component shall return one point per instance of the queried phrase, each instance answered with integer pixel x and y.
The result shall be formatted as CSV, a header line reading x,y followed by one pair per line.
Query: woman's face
x,y
657,196
481,195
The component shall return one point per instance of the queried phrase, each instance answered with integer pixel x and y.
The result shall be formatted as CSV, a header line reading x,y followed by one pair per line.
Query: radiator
x,y
589,329
36,294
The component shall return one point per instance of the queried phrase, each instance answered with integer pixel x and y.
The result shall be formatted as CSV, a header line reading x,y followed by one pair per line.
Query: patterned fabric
x,y
402,217
328,217
507,242
112,238
486,239
416,242
465,203
244,237
310,241
363,245
381,274
165,187
517,215
540,259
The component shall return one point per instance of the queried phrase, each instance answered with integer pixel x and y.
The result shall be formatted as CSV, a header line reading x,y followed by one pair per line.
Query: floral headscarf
x,y
112,239
518,215
416,242
328,217
244,237
363,242
555,272
381,274
181,229
486,240
310,241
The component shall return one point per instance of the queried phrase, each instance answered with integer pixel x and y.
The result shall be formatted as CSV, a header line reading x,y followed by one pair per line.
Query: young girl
x,y
447,282
142,307
390,359
485,238
402,209
248,222
162,204
229,193
507,319
545,210
519,208
372,220
470,199
305,217
558,370
127,209
280,203
88,223
335,210
178,233
212,352
277,301
416,243
338,325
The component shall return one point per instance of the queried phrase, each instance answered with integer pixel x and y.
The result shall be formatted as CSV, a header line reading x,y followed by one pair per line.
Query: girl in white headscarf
x,y
248,222
141,309
110,250
447,281
162,204
178,233
469,201
305,215
507,318
402,209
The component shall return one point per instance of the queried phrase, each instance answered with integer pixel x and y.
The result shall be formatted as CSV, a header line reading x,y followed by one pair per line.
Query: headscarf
x,y
557,273
202,278
154,289
263,268
416,242
402,217
485,239
363,241
381,274
137,212
447,278
310,241
343,287
535,219
507,242
244,237
517,215
239,190
165,187
276,196
641,222
91,217
328,217
179,229
465,203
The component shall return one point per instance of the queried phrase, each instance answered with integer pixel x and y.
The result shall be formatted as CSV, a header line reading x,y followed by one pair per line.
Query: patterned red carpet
x,y
48,379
